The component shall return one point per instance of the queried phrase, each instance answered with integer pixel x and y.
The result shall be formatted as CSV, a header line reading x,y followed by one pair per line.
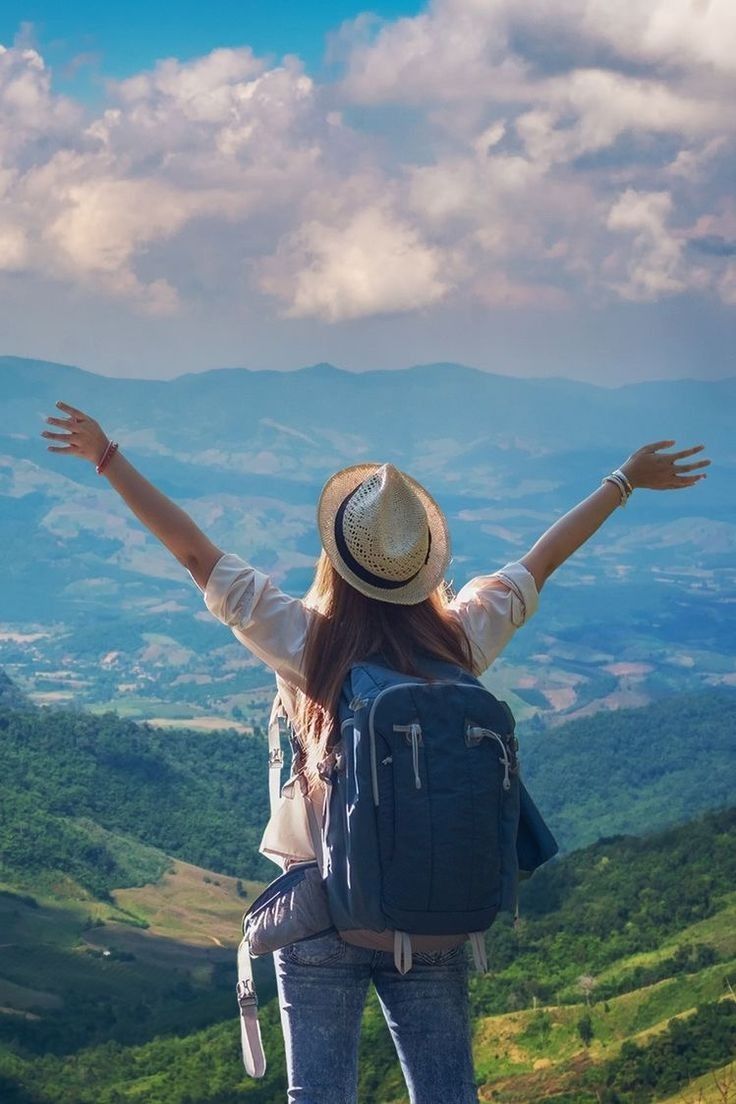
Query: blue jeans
x,y
322,986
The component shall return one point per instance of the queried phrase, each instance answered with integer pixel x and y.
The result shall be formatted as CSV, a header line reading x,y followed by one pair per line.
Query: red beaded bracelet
x,y
107,456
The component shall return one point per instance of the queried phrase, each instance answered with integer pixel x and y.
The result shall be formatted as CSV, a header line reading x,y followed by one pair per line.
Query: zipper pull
x,y
413,733
416,733
505,760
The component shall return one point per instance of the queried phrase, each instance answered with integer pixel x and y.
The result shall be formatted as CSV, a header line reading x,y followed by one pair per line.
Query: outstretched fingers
x,y
685,452
655,445
71,409
690,467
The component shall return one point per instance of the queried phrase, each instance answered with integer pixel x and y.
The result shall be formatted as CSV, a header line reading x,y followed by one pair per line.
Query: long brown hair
x,y
349,626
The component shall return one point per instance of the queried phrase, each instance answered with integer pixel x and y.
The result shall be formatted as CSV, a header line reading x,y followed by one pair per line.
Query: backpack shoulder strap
x,y
276,723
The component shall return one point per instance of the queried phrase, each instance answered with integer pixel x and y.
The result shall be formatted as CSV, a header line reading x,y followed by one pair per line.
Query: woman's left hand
x,y
86,437
657,471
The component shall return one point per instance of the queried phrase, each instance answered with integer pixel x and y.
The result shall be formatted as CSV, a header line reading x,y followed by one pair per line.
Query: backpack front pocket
x,y
446,814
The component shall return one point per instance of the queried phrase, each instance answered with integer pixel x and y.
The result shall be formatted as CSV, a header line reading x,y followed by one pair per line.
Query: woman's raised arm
x,y
167,521
647,467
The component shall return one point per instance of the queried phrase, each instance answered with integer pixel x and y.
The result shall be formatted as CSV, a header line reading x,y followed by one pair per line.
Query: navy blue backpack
x,y
428,827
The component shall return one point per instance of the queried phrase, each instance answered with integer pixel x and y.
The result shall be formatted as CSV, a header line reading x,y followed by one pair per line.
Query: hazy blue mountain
x,y
96,610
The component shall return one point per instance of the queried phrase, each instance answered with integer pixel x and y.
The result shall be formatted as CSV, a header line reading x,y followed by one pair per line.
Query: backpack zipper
x,y
372,731
403,686
478,733
414,736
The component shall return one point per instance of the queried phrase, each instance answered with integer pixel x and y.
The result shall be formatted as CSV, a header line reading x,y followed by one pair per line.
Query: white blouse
x,y
273,625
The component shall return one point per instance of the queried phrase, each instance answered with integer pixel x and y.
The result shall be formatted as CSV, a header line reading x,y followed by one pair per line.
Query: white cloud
x,y
589,109
460,48
13,247
375,263
672,32
514,154
655,255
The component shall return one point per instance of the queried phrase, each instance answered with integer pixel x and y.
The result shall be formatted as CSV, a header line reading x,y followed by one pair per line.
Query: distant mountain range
x,y
95,610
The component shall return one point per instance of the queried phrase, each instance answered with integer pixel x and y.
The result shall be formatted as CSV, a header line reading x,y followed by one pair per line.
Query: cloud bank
x,y
516,155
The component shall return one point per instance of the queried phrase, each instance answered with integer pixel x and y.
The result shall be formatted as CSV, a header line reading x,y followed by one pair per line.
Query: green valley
x,y
128,857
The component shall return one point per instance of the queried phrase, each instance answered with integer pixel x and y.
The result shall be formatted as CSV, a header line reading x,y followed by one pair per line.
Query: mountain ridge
x,y
246,455
326,368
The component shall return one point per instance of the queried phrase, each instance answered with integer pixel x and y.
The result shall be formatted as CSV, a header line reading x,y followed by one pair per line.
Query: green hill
x,y
614,987
633,770
72,783
117,953
180,792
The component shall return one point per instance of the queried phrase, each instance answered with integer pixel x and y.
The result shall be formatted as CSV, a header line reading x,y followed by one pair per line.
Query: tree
x,y
586,985
585,1029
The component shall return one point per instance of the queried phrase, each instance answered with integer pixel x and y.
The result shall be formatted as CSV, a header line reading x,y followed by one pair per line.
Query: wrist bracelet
x,y
107,456
104,452
627,484
619,484
103,458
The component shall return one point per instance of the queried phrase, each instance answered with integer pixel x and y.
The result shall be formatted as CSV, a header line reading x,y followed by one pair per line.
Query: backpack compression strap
x,y
254,1058
402,951
478,945
251,1044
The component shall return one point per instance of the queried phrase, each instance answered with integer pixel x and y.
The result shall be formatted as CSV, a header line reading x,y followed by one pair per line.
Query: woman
x,y
379,588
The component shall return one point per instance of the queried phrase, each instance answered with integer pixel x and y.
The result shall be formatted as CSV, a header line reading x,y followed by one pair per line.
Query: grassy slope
x,y
716,1087
522,1055
181,932
172,949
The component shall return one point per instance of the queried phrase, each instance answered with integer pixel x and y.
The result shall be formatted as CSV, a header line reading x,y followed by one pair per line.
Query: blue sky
x,y
86,41
534,189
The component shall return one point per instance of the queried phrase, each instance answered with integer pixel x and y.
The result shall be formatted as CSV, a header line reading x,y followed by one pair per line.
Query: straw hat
x,y
383,533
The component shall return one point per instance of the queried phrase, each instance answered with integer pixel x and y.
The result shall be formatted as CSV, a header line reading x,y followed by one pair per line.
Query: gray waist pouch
x,y
292,907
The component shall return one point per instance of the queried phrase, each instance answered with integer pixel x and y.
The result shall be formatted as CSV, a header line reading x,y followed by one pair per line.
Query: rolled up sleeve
x,y
493,607
266,620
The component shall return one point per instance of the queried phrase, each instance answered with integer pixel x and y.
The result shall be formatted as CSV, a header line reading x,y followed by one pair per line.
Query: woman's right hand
x,y
86,437
657,471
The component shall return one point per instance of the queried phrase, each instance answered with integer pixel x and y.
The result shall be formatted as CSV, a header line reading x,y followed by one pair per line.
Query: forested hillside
x,y
615,988
72,783
198,796
633,770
